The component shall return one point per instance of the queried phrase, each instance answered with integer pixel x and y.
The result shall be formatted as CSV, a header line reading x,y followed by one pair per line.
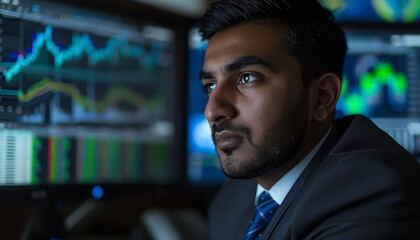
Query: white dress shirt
x,y
282,187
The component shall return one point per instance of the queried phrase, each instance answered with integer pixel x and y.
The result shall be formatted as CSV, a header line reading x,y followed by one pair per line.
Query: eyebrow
x,y
239,63
205,75
245,61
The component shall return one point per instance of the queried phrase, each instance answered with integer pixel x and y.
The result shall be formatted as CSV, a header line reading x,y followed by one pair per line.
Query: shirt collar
x,y
282,187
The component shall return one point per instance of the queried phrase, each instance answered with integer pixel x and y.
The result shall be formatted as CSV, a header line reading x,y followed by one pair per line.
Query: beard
x,y
278,146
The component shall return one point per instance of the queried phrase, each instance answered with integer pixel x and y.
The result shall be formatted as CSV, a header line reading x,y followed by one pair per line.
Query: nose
x,y
220,105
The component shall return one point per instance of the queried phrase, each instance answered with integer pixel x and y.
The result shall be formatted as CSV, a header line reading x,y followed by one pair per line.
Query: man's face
x,y
258,106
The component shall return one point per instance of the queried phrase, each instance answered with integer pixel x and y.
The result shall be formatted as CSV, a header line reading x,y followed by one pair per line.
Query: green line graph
x,y
114,95
370,85
82,46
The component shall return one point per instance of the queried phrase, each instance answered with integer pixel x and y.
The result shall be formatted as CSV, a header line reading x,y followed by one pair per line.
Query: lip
x,y
226,139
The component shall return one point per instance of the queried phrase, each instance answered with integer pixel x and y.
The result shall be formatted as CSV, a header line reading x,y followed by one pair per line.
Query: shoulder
x,y
366,182
373,188
231,193
370,169
366,154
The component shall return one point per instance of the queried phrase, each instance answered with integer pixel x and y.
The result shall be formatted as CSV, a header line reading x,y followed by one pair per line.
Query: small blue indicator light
x,y
35,8
97,192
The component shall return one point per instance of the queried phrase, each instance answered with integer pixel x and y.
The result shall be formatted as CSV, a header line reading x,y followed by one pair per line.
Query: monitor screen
x,y
394,11
86,97
381,75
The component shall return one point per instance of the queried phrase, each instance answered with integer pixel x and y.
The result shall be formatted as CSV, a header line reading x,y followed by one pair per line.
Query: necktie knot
x,y
265,210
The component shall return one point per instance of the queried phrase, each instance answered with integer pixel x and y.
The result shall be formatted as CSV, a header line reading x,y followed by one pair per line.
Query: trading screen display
x,y
380,76
374,10
381,80
85,97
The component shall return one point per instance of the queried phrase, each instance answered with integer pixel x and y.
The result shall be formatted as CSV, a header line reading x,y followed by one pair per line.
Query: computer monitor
x,y
393,11
87,96
381,80
380,75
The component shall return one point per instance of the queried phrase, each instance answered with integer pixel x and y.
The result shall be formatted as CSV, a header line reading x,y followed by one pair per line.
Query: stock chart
x,y
374,87
84,98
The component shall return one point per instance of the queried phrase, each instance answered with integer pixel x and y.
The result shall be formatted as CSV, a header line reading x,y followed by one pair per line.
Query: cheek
x,y
262,113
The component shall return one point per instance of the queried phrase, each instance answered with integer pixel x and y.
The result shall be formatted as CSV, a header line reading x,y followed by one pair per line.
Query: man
x,y
272,70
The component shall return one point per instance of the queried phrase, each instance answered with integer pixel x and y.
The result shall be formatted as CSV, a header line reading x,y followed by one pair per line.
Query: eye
x,y
209,87
247,78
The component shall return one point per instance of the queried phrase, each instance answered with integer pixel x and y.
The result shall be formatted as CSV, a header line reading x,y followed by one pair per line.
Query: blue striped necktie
x,y
266,208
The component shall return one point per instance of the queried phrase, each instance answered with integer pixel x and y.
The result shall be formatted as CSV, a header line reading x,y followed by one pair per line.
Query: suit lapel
x,y
245,219
244,208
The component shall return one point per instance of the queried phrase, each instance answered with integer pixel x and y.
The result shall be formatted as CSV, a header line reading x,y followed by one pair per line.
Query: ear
x,y
326,90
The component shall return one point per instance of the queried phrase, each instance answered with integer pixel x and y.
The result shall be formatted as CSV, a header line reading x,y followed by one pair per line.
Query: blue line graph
x,y
82,46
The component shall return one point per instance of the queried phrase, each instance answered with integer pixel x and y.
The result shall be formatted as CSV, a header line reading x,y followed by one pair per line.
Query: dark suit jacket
x,y
360,185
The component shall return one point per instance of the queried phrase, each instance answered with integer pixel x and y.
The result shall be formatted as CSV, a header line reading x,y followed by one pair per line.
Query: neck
x,y
269,178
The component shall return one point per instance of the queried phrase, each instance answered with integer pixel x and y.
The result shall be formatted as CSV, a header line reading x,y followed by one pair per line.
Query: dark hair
x,y
313,37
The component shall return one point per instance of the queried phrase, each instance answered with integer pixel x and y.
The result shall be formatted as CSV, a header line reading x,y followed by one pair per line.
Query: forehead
x,y
253,39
